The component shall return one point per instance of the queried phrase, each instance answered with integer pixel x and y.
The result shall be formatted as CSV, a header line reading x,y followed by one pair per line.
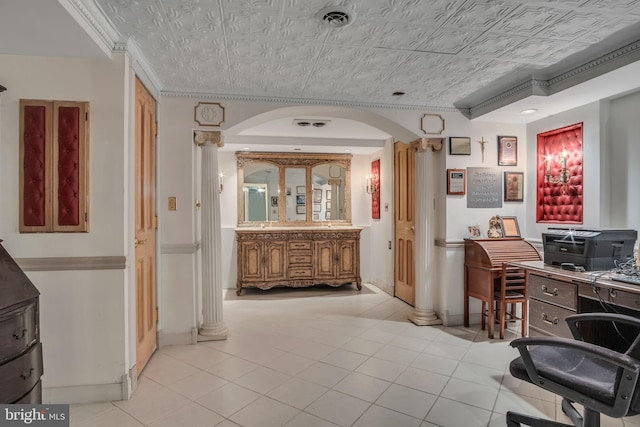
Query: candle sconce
x,y
372,187
563,177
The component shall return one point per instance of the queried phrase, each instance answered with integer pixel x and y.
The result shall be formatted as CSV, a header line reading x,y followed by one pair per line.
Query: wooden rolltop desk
x,y
20,347
483,259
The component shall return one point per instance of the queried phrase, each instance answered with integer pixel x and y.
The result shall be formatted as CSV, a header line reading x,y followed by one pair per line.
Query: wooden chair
x,y
511,291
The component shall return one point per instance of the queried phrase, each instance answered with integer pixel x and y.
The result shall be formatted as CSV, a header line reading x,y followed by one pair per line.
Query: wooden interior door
x,y
145,226
405,181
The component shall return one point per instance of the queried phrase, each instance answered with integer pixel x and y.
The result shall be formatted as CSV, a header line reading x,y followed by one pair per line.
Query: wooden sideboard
x,y
555,294
20,348
298,257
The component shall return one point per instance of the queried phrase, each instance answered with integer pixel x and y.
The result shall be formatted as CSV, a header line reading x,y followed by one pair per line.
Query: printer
x,y
589,249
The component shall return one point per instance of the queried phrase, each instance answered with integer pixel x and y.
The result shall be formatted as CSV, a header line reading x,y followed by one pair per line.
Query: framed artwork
x,y
209,114
328,205
513,186
328,193
274,200
300,199
459,145
474,231
510,226
317,207
288,191
327,215
300,189
507,151
301,209
456,181
317,195
316,217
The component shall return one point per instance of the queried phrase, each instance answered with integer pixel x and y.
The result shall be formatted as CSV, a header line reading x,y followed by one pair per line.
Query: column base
x,y
213,332
424,318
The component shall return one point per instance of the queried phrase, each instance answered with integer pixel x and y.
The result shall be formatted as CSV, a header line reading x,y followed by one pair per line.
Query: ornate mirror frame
x,y
293,160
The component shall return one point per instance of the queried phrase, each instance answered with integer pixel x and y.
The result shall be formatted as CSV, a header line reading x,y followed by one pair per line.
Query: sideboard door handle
x,y
25,375
19,335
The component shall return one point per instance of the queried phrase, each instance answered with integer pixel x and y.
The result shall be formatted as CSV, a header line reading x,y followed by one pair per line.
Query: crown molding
x,y
284,100
88,14
572,77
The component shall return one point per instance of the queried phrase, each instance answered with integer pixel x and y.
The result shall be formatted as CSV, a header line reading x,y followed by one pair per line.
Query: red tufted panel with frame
x,y
555,202
68,165
375,182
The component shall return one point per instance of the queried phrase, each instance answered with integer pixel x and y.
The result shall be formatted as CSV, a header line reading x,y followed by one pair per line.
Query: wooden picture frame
x,y
328,205
300,199
507,151
509,226
328,194
274,201
316,217
301,209
457,181
513,186
300,189
459,145
317,207
327,215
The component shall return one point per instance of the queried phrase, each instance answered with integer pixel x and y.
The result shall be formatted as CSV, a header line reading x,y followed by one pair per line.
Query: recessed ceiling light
x,y
245,148
398,93
529,111
303,124
319,124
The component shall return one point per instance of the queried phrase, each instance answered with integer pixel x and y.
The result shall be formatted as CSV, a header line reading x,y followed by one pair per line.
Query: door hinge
x,y
86,217
157,315
86,116
156,128
155,222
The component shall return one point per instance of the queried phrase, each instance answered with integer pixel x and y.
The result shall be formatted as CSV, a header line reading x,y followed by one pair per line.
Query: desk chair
x,y
602,380
512,291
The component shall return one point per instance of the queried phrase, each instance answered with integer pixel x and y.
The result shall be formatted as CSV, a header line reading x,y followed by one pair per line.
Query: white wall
x,y
84,326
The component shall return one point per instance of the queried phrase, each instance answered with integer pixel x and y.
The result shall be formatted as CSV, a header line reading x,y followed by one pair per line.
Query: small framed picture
x,y
474,231
288,191
459,145
328,205
317,207
300,199
327,215
513,186
301,209
316,217
507,151
510,226
328,194
317,195
274,200
300,189
456,181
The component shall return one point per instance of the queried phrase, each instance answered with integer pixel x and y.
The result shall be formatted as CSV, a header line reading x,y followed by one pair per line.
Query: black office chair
x,y
602,380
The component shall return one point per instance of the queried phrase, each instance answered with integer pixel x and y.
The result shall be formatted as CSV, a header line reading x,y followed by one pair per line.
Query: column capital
x,y
423,144
210,137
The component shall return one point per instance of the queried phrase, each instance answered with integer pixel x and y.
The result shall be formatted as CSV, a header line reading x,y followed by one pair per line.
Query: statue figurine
x,y
495,227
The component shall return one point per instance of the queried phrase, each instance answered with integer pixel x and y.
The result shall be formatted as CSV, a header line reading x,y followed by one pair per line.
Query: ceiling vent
x,y
311,122
336,16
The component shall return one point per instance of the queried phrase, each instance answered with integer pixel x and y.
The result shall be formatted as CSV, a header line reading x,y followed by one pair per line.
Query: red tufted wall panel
x,y
375,197
34,165
553,203
68,128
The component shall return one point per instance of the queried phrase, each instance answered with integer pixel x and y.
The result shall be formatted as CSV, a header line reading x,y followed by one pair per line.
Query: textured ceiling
x,y
442,53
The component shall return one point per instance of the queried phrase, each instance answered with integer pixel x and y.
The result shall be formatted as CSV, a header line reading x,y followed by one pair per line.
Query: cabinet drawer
x,y
300,258
21,374
18,330
553,291
549,318
300,273
624,299
299,245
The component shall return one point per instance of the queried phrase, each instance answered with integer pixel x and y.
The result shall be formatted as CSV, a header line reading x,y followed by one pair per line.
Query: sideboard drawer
x,y
18,330
21,374
300,245
549,318
553,291
300,273
300,258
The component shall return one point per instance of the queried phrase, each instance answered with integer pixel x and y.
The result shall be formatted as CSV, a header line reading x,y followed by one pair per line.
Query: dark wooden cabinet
x,y
20,347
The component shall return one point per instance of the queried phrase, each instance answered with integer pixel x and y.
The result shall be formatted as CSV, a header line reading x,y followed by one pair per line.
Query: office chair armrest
x,y
574,320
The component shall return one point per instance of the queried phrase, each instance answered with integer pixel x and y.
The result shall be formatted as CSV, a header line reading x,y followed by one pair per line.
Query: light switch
x,y
173,203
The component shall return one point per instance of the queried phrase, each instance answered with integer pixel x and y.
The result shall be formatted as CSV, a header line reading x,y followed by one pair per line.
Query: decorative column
x,y
213,327
423,313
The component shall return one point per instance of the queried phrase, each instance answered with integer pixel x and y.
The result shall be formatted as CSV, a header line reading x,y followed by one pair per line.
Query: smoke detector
x,y
336,16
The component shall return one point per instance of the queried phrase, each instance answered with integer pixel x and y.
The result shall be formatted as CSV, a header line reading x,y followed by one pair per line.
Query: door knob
x,y
137,242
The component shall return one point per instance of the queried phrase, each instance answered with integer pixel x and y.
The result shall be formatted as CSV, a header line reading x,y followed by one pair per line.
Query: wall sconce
x,y
372,187
221,182
564,176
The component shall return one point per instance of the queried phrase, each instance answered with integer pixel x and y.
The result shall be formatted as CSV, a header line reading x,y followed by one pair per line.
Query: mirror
x,y
329,192
260,192
293,188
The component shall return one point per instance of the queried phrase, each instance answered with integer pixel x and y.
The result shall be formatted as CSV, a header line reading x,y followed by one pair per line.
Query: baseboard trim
x,y
72,263
83,393
182,338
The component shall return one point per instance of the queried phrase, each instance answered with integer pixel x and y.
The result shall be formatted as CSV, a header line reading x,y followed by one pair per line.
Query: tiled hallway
x,y
324,357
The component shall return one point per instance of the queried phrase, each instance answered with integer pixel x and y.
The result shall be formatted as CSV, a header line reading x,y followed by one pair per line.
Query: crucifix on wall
x,y
482,142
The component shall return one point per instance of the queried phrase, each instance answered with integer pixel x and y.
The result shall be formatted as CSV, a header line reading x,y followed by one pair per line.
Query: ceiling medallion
x,y
432,124
209,114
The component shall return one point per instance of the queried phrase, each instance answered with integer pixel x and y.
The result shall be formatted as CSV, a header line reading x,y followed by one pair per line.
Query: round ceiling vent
x,y
336,16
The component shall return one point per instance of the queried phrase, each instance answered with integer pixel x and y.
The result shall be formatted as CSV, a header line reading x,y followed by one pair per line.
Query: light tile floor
x,y
322,357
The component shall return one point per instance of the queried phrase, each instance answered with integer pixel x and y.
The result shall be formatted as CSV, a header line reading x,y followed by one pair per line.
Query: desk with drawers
x,y
555,294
